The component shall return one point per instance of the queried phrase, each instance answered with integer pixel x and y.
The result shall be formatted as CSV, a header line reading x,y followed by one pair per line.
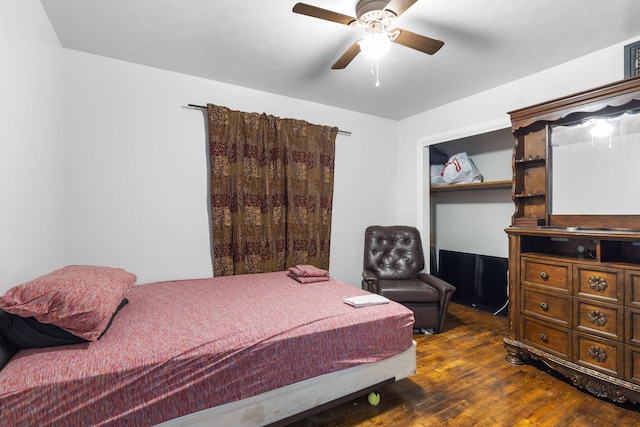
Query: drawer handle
x,y
543,337
544,306
544,275
597,353
597,318
597,283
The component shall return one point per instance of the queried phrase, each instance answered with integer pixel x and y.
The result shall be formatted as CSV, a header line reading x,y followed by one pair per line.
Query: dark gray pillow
x,y
6,352
27,332
18,333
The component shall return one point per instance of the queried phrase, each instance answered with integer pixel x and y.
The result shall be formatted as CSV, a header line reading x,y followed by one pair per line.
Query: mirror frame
x,y
603,100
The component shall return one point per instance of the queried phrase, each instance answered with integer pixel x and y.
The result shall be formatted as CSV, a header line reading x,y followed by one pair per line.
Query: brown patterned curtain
x,y
271,191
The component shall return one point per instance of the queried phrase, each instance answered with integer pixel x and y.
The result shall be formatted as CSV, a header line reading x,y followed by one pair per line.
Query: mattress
x,y
183,346
297,401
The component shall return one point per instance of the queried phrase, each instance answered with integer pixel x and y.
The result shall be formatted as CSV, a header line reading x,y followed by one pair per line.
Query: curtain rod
x,y
202,107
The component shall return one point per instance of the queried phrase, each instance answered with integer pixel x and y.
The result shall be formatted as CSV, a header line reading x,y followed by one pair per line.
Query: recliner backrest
x,y
393,252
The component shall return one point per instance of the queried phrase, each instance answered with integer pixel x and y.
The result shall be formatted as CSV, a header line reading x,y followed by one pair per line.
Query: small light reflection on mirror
x,y
601,128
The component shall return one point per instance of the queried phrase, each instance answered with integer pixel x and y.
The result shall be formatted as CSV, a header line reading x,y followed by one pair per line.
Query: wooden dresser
x,y
576,306
574,278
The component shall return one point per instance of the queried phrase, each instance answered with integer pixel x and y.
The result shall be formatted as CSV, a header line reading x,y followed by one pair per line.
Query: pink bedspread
x,y
183,346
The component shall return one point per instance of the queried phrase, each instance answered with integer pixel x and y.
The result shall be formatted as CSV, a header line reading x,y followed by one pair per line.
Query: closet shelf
x,y
473,186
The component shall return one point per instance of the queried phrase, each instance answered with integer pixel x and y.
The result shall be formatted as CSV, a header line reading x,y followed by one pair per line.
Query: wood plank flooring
x,y
463,379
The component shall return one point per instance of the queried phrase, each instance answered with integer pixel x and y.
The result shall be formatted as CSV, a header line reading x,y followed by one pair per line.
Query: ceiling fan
x,y
375,18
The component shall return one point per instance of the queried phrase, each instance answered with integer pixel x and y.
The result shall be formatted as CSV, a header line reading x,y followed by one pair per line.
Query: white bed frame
x,y
305,396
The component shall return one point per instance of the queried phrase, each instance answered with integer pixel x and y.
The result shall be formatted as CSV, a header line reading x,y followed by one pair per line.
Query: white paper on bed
x,y
365,300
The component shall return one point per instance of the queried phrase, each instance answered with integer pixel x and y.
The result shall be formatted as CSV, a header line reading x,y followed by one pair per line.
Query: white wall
x,y
30,143
488,111
135,171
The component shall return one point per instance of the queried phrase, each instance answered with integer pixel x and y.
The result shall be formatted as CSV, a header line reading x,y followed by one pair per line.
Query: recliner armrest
x,y
369,281
444,289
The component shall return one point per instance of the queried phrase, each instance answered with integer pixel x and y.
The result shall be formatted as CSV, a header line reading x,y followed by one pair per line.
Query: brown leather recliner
x,y
393,264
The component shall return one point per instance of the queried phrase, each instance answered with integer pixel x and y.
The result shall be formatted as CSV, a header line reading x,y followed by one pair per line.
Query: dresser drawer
x,y
632,364
550,338
600,354
554,307
547,273
601,283
632,285
632,326
605,320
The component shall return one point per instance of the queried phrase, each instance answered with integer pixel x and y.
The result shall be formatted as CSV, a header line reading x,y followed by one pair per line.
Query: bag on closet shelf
x,y
435,173
460,170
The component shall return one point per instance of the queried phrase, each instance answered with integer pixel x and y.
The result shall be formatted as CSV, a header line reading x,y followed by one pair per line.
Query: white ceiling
x,y
262,44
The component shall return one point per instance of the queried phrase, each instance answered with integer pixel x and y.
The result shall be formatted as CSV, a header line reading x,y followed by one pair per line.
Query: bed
x,y
239,350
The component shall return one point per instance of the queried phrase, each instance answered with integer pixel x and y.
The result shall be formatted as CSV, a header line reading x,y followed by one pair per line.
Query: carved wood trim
x,y
596,383
589,101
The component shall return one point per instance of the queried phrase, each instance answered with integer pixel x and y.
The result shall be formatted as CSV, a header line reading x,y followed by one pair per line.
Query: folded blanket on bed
x,y
306,270
308,279
308,274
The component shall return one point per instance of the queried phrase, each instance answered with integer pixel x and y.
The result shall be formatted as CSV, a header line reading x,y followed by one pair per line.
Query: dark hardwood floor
x,y
463,379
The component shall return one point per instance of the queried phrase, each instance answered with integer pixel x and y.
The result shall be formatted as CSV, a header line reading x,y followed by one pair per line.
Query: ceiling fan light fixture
x,y
375,45
376,18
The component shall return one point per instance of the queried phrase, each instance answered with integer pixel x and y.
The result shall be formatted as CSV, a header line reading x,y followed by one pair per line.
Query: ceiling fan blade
x,y
418,42
347,57
327,15
399,6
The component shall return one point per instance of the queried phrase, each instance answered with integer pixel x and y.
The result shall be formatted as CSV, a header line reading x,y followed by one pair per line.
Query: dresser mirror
x,y
595,165
576,160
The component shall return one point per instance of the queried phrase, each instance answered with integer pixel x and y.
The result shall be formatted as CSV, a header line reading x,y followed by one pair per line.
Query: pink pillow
x,y
81,299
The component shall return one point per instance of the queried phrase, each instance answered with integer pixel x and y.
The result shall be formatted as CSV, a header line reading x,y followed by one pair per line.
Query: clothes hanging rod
x,y
202,107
